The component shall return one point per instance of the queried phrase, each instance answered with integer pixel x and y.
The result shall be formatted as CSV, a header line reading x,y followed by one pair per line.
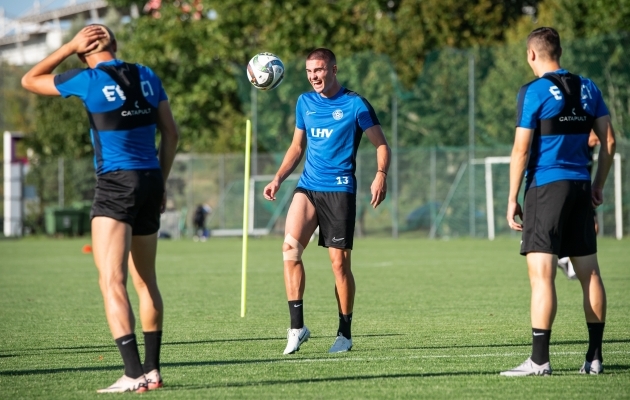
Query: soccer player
x,y
125,103
555,115
330,122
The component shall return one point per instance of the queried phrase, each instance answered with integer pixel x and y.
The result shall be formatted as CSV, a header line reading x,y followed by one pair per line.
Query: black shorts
x,y
133,197
336,214
558,219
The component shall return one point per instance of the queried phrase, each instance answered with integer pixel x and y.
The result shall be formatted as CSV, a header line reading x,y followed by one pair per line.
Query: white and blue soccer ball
x,y
265,71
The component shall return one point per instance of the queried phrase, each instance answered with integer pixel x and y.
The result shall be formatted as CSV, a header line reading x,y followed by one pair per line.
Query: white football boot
x,y
529,368
127,384
341,345
295,337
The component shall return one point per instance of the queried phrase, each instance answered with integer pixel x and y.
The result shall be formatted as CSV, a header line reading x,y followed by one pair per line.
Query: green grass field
x,y
432,319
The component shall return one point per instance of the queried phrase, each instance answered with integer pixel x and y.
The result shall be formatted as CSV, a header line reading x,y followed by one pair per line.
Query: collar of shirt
x,y
558,71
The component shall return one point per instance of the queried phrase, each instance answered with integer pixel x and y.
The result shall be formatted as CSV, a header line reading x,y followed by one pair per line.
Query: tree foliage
x,y
200,49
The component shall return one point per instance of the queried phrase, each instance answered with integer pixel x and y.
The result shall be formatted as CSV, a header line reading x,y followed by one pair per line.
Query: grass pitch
x,y
432,319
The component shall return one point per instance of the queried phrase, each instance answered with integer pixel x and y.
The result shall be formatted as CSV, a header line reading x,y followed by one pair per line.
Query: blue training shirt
x,y
334,127
126,149
556,157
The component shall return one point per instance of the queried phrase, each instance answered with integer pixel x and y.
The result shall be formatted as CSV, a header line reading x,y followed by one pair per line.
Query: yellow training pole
x,y
248,141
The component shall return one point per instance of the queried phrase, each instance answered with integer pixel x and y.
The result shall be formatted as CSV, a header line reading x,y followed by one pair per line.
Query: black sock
x,y
296,310
128,348
345,325
595,335
540,345
152,344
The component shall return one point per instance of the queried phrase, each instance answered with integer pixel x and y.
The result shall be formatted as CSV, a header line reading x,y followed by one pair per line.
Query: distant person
x,y
125,103
330,122
199,221
555,115
564,263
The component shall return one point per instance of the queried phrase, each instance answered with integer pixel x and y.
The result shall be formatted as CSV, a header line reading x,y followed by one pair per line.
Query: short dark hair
x,y
546,41
322,54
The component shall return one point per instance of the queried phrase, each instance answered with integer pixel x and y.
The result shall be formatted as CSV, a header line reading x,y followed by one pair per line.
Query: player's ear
x,y
334,69
531,54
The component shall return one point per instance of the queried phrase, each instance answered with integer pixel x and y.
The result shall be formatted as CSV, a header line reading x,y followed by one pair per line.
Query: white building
x,y
29,38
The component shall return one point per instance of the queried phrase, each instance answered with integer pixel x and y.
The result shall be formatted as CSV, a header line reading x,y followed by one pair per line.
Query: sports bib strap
x,y
136,111
572,119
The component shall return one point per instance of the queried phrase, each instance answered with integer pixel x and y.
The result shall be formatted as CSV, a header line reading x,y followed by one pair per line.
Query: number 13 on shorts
x,y
342,180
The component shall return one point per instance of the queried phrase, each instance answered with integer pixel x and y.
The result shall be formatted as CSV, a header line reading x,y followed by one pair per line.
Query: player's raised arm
x,y
383,157
40,79
289,163
518,163
606,135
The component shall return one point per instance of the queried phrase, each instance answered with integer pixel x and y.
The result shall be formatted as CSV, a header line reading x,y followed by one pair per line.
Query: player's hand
x,y
378,189
163,205
271,189
597,196
514,210
87,39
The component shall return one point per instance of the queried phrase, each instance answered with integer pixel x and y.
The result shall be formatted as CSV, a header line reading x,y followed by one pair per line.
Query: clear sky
x,y
18,8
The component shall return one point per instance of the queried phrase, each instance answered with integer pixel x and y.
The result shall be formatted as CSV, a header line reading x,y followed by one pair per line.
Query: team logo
x,y
337,114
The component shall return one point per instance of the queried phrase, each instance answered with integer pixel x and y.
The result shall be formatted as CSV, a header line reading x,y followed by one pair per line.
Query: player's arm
x,y
169,137
40,79
383,157
518,163
606,135
289,163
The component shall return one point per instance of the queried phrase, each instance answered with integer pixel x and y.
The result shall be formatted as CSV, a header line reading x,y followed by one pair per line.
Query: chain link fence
x,y
441,129
435,192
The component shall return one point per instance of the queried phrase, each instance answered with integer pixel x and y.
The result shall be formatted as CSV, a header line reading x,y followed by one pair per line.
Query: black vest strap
x,y
572,119
136,111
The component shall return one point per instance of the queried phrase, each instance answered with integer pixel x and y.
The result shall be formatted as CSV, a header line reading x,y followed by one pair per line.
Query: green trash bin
x,y
69,221
85,207
49,220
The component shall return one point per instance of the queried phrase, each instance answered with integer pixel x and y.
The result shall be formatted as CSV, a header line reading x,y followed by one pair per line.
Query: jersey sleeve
x,y
73,83
299,114
592,100
527,108
366,116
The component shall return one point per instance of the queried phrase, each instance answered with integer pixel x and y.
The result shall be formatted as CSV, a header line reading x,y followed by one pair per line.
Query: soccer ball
x,y
265,71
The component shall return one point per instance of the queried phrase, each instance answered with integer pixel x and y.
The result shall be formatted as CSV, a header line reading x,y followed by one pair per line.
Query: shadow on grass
x,y
328,379
613,367
494,345
208,341
120,367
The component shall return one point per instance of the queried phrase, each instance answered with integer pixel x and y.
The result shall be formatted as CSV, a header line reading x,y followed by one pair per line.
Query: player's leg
x,y
142,270
336,212
544,302
594,302
345,289
543,306
300,225
543,217
587,269
111,240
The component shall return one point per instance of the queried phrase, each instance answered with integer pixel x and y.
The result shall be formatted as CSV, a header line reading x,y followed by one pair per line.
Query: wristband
x,y
380,170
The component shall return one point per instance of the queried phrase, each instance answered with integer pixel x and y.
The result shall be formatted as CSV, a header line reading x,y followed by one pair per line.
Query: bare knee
x,y
112,283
